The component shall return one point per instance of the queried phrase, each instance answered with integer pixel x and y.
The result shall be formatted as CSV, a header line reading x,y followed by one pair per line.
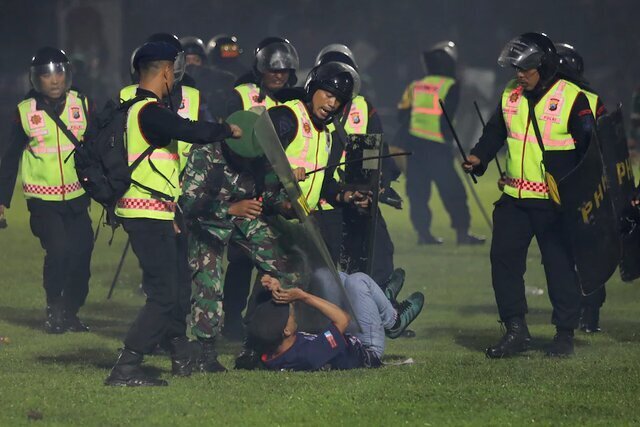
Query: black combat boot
x,y
127,372
248,358
562,345
429,239
467,238
208,360
515,340
72,323
180,356
55,318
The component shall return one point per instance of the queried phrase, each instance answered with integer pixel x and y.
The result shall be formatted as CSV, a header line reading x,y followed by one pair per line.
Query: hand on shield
x,y
471,162
236,131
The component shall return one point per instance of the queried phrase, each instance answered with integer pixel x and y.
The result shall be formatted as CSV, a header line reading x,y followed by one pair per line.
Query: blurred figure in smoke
x,y
224,54
426,134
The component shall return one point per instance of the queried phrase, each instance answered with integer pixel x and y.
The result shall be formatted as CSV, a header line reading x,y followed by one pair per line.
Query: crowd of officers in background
x,y
188,91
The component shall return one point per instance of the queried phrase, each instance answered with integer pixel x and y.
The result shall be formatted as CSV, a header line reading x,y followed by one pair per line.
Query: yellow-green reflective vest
x,y
425,106
309,149
137,202
45,174
593,102
250,95
189,109
525,174
356,123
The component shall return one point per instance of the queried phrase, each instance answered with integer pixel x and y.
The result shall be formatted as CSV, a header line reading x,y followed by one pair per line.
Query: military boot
x,y
407,310
248,358
208,360
429,239
55,318
394,285
73,324
128,373
180,356
467,238
562,344
515,340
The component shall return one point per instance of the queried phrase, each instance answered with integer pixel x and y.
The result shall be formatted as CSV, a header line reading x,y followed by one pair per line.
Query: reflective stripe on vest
x,y
593,102
189,109
250,95
425,107
137,202
309,149
525,173
45,174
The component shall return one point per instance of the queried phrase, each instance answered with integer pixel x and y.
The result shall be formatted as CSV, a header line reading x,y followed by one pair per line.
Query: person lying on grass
x,y
272,329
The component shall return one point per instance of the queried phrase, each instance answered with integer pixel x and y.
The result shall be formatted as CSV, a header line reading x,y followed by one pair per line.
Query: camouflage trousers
x,y
259,243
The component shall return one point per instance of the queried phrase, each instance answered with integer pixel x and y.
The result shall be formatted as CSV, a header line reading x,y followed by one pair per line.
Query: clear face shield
x,y
335,47
179,66
277,56
521,55
52,80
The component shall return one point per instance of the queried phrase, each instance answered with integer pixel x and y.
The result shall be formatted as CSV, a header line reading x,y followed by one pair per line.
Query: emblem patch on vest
x,y
553,104
75,112
36,120
306,128
514,96
355,118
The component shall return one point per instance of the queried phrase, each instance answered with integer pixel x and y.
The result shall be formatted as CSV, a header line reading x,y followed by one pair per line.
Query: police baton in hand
x,y
475,104
455,136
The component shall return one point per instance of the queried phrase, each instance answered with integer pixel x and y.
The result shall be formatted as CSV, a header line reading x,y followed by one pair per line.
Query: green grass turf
x,y
58,379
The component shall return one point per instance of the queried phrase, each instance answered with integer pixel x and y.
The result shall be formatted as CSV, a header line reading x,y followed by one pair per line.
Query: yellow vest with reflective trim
x,y
189,109
525,172
593,102
45,173
250,93
425,106
138,202
309,149
356,123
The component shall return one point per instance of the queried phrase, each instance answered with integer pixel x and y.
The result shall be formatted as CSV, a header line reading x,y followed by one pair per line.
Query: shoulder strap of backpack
x,y
47,108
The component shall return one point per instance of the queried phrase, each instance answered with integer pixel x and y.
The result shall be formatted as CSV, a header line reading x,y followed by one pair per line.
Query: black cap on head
x,y
265,329
154,51
48,54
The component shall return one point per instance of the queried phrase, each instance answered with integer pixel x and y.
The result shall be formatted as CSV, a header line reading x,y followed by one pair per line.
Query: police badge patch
x,y
553,104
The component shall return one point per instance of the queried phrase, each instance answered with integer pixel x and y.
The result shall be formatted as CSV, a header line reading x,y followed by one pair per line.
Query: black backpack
x,y
101,159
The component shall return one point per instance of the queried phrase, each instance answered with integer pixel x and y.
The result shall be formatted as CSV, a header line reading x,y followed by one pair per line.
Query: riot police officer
x,y
274,66
147,211
425,133
224,53
563,126
55,199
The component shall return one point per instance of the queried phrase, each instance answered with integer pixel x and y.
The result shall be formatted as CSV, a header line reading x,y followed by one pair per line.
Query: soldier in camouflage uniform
x,y
224,197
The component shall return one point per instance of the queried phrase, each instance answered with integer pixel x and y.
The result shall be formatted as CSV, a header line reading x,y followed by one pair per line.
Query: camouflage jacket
x,y
211,185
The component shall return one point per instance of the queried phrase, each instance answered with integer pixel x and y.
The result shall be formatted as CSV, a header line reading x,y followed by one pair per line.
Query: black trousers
x,y
432,162
166,276
515,223
65,233
596,299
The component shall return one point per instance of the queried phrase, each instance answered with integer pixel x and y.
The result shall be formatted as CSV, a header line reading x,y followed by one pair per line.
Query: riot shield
x,y
590,220
617,166
360,224
301,240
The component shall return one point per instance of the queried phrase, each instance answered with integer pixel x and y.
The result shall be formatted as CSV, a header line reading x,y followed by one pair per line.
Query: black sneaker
x,y
408,310
55,319
73,324
394,285
562,345
467,238
515,340
429,239
590,320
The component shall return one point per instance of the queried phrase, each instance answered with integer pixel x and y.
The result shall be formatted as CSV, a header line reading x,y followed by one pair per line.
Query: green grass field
x,y
57,380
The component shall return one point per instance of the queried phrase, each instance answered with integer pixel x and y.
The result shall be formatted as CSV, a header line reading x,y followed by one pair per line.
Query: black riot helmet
x,y
180,63
47,61
441,58
333,77
342,54
276,54
529,51
193,46
570,59
223,47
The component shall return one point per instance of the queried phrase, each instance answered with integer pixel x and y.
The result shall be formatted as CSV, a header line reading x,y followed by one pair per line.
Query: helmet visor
x,y
179,66
52,79
277,56
335,47
520,54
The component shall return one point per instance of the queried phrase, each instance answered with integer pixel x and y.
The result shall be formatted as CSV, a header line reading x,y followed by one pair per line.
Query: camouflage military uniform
x,y
210,186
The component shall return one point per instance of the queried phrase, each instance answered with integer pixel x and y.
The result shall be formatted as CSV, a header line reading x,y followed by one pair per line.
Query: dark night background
x,y
387,38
